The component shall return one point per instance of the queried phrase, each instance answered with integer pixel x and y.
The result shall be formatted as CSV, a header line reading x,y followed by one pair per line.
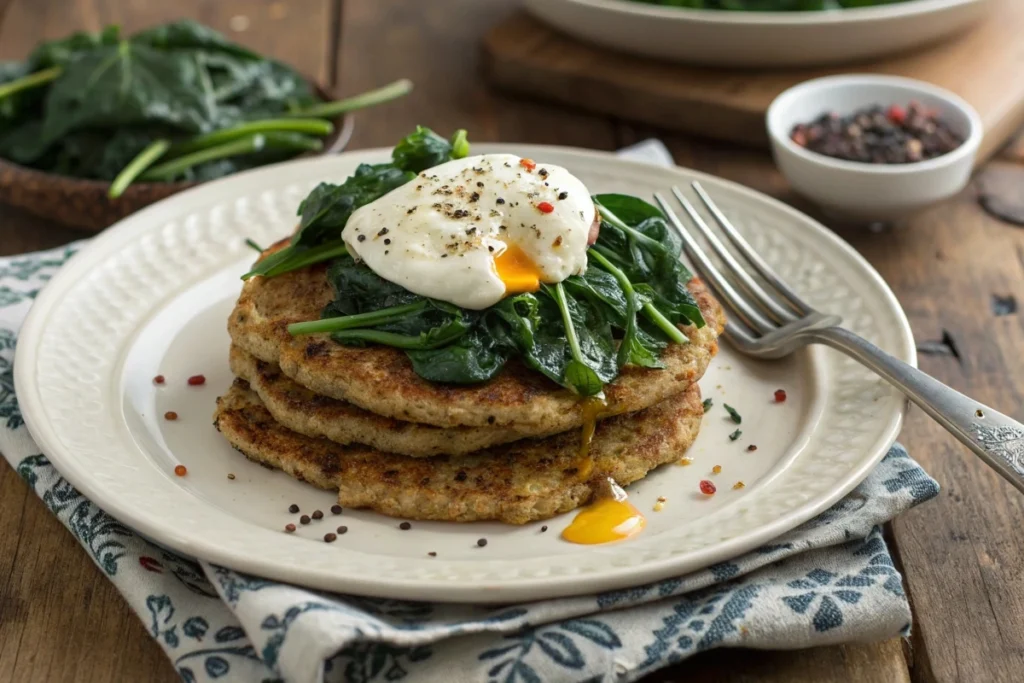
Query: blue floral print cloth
x,y
829,581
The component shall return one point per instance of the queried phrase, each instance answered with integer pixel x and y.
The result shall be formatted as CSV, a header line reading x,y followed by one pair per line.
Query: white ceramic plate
x,y
758,39
152,294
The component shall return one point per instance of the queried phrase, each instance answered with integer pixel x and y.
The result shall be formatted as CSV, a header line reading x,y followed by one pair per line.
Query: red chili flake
x,y
780,395
159,379
151,565
545,207
180,470
196,380
706,487
896,114
717,469
170,415
528,164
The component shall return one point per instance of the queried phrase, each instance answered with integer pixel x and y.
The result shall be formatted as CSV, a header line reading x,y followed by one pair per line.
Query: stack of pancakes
x,y
359,420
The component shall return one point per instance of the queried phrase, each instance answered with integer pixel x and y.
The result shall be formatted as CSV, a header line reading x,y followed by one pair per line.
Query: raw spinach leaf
x,y
126,85
188,34
60,52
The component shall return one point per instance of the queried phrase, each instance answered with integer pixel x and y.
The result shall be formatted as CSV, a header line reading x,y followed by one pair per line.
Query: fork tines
x,y
762,310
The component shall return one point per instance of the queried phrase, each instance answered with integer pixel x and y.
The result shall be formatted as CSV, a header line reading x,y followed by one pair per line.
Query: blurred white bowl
x,y
758,40
864,191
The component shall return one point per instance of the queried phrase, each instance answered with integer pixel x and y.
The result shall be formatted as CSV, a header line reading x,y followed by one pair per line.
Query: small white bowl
x,y
863,191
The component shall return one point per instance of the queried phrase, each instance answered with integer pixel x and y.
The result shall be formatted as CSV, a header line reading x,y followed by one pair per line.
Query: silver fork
x,y
774,322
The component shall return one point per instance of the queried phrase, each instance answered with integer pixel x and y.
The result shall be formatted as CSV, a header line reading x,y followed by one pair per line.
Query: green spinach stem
x,y
347,322
614,220
309,126
292,258
328,110
252,245
143,160
460,145
570,331
33,80
401,341
652,313
234,148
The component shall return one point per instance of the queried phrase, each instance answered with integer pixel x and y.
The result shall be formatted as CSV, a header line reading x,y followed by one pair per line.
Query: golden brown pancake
x,y
300,410
516,483
381,380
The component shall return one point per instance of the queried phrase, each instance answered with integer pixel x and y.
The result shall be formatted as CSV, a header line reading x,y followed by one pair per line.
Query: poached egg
x,y
475,230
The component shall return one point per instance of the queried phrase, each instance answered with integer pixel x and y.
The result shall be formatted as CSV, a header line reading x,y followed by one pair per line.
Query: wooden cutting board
x,y
985,66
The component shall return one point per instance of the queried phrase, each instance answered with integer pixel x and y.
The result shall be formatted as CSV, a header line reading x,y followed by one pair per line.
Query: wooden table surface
x,y
961,554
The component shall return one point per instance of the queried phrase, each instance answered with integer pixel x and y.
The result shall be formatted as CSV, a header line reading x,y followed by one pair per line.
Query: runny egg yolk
x,y
605,520
515,269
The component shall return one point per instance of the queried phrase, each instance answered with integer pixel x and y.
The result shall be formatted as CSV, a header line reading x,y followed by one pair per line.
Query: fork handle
x,y
994,437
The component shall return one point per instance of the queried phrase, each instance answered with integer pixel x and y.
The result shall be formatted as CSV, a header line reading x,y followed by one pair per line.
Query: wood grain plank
x,y
983,66
59,615
436,45
962,552
854,663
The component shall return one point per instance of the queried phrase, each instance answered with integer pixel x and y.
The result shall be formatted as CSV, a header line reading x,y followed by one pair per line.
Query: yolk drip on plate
x,y
592,407
605,520
517,271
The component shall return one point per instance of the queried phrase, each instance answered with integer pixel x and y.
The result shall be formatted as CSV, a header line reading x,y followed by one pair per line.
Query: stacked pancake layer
x,y
358,419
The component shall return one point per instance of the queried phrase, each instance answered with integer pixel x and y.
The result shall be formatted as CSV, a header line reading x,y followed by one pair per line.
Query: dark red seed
x,y
706,487
780,395
336,509
196,380
159,379
342,529
304,519
405,526
289,528
751,447
170,415
293,508
544,528
317,514
180,470
481,542
432,553
330,538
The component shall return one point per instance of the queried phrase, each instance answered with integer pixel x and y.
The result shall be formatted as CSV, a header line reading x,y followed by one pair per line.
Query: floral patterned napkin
x,y
831,580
